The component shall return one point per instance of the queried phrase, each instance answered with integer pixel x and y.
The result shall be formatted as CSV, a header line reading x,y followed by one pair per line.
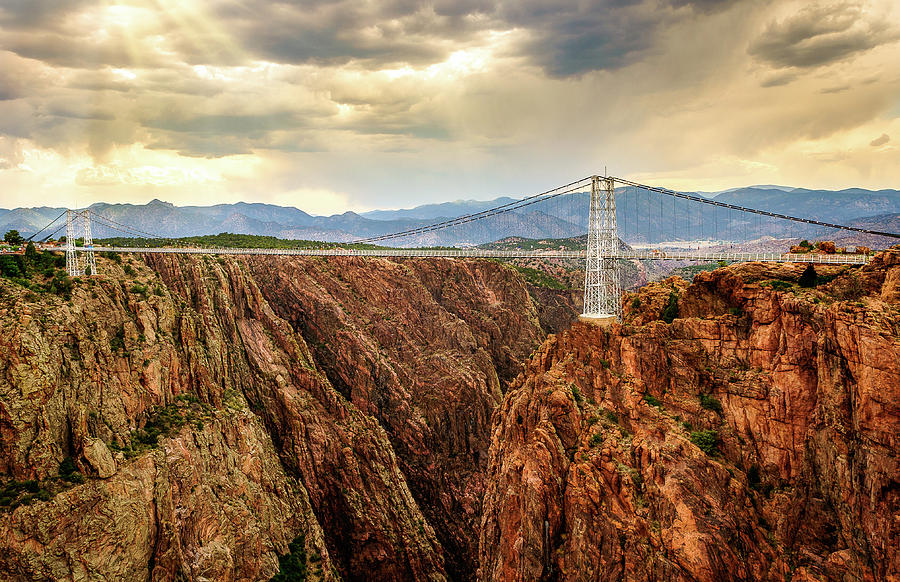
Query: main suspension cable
x,y
753,210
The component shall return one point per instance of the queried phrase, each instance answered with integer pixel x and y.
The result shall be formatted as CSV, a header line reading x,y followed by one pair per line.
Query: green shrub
x,y
61,284
10,266
636,303
706,440
653,400
129,270
612,416
779,285
540,278
292,566
710,403
164,421
67,467
13,237
670,311
576,394
736,311
117,342
114,257
808,278
596,439
69,472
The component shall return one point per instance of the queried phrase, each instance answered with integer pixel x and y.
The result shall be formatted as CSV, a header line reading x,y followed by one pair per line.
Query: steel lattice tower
x,y
90,266
602,290
72,264
75,265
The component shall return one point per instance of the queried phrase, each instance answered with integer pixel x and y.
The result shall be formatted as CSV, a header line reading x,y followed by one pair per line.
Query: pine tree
x,y
809,277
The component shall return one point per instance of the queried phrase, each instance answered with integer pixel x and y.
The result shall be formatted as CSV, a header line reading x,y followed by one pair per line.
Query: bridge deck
x,y
839,259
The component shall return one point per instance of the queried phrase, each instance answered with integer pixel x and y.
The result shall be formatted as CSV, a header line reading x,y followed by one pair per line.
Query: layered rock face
x,y
754,438
422,346
220,409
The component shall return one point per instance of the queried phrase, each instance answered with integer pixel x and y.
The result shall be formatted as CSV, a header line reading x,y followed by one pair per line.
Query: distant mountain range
x,y
643,218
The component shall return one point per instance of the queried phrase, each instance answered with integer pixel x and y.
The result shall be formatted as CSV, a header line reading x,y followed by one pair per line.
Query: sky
x,y
336,105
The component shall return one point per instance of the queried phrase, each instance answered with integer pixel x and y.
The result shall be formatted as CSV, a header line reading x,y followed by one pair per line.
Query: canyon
x,y
193,418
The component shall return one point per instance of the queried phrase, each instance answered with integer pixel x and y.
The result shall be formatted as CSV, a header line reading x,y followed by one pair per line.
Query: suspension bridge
x,y
650,223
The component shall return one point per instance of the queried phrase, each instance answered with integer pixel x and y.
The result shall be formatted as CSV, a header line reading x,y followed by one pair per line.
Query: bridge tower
x,y
90,266
73,266
602,289
77,266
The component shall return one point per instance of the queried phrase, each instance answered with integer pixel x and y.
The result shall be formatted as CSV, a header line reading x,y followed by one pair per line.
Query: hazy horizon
x,y
414,206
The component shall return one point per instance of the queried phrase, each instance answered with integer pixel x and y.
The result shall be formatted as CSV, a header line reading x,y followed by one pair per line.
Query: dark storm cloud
x,y
564,38
568,39
337,32
819,35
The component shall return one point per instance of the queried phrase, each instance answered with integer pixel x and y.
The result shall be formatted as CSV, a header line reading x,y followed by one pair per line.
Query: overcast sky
x,y
338,105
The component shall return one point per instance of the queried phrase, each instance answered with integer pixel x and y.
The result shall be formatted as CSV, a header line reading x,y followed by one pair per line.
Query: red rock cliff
x,y
754,438
221,408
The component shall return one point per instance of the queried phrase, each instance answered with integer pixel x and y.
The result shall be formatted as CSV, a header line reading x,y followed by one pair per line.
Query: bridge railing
x,y
340,252
837,259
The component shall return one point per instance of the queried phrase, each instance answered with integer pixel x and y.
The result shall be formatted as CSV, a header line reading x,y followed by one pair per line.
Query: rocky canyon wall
x,y
753,438
197,418
189,417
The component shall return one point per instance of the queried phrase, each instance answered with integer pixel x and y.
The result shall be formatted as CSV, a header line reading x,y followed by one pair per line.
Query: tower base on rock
x,y
598,319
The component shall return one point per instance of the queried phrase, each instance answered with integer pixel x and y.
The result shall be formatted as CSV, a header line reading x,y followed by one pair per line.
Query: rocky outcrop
x,y
209,504
753,438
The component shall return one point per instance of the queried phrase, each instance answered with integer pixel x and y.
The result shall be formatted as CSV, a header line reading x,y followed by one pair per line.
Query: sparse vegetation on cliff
x,y
38,271
670,311
710,403
292,567
653,400
164,421
706,440
737,329
539,278
15,493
